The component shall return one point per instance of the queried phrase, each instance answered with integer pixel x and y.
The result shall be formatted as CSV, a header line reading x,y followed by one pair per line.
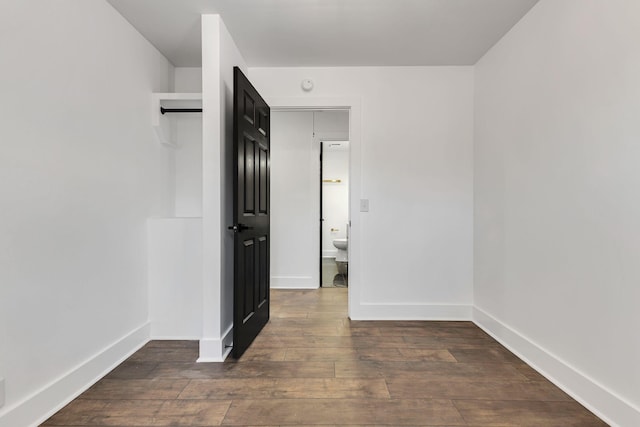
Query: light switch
x,y
364,205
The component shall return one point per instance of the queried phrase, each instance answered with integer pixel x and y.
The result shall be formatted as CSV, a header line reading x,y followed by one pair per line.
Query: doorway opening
x,y
300,245
334,214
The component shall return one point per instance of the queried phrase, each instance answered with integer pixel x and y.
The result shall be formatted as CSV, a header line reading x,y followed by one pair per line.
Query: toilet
x,y
342,260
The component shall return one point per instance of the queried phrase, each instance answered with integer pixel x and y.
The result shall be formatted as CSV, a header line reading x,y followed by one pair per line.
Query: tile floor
x,y
330,276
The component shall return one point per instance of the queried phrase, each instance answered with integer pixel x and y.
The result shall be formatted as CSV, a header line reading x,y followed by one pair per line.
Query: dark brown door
x,y
251,132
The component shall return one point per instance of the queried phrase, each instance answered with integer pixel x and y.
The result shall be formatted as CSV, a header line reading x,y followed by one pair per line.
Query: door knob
x,y
237,228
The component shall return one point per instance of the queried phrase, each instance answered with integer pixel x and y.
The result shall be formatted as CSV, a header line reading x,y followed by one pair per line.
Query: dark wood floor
x,y
312,366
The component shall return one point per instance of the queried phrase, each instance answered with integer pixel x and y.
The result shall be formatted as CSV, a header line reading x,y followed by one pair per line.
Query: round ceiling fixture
x,y
307,85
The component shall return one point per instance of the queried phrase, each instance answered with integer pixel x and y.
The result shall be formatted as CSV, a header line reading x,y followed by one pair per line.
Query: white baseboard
x,y
294,282
610,407
214,349
370,311
175,338
55,395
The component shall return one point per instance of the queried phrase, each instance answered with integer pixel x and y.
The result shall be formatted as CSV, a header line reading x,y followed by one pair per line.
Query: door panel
x,y
263,276
250,213
263,186
249,177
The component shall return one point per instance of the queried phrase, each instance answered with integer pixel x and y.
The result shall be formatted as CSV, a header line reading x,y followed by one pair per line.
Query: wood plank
x,y
321,354
414,388
327,330
255,353
141,413
342,314
82,411
132,370
192,413
303,341
288,388
446,342
136,389
411,324
431,331
485,354
532,413
304,323
246,370
313,366
282,314
343,411
432,371
423,354
152,352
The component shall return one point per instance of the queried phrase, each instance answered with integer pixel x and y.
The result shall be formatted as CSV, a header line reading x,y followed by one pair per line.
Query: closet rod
x,y
180,110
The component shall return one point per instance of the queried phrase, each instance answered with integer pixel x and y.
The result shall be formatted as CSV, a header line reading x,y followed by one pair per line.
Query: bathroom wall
x,y
416,170
557,223
335,195
80,173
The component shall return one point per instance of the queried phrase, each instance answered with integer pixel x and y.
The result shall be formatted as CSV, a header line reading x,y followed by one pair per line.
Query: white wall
x,y
175,243
80,172
188,165
335,195
557,231
219,56
230,57
188,79
331,124
416,170
175,277
188,150
295,201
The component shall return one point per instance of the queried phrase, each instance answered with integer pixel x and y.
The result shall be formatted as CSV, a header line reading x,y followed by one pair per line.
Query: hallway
x,y
311,365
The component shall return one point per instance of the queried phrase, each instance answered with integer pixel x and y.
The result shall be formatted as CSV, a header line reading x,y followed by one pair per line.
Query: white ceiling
x,y
331,32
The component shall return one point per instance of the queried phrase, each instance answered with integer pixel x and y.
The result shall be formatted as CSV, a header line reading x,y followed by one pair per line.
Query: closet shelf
x,y
164,124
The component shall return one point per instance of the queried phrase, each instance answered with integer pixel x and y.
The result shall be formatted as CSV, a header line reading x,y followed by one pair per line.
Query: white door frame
x,y
353,105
